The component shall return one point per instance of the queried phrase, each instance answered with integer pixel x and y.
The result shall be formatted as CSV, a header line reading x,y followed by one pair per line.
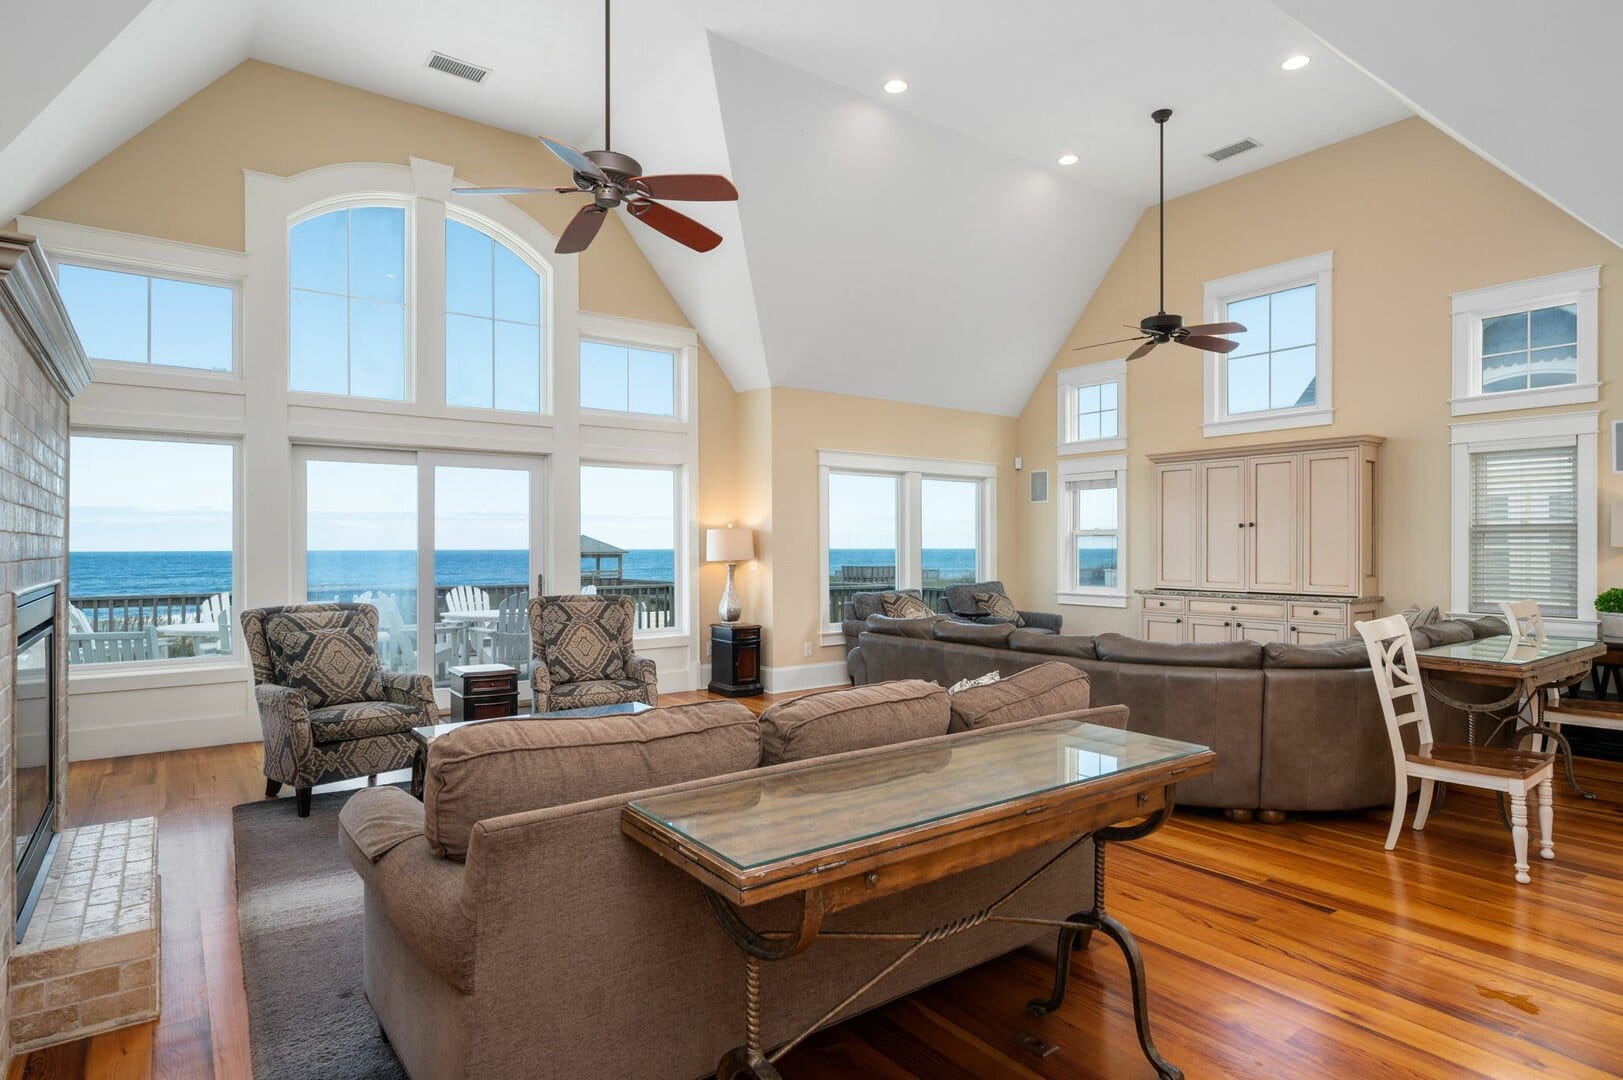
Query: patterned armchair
x,y
583,657
328,709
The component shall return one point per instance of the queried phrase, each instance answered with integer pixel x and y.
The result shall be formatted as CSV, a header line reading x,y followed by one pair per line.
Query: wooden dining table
x,y
1525,668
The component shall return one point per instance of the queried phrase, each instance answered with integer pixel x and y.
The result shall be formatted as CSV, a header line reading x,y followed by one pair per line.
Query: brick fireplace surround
x,y
42,365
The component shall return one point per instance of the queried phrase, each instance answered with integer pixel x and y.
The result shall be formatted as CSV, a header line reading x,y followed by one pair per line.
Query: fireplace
x,y
34,785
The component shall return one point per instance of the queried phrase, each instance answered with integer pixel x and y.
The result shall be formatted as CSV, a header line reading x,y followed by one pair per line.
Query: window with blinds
x,y
1524,529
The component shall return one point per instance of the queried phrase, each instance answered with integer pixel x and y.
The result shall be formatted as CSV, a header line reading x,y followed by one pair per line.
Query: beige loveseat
x,y
513,932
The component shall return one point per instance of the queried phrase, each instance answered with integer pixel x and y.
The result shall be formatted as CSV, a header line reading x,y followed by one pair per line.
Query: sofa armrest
x,y
284,717
1043,620
644,670
405,688
856,666
377,820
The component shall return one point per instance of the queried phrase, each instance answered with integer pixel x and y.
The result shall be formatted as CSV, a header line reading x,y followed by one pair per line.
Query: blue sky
x,y
862,511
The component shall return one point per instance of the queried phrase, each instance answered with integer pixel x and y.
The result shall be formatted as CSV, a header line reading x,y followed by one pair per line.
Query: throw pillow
x,y
999,607
1417,616
985,680
903,606
332,665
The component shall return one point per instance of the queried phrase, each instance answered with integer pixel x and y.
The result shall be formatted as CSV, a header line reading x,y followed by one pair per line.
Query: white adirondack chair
x,y
217,610
112,646
467,598
1514,772
78,622
507,641
397,640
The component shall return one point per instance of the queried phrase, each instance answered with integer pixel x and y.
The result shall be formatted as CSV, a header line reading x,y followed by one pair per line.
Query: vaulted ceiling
x,y
922,247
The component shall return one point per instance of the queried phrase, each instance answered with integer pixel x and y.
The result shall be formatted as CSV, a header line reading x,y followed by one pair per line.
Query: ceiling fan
x,y
1160,328
613,179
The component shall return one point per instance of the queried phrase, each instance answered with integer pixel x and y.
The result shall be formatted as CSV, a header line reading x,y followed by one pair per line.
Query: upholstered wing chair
x,y
960,602
583,654
328,709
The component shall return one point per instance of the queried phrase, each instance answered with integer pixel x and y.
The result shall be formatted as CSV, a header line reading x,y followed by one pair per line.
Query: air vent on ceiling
x,y
460,68
1226,152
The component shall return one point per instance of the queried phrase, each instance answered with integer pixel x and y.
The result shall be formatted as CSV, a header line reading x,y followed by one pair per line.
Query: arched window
x,y
492,323
347,303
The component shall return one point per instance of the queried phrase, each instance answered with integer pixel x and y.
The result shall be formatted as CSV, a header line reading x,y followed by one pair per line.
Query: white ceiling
x,y
921,247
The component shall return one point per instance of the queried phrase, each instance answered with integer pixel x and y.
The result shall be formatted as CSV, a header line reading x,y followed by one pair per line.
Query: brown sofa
x,y
1295,727
512,931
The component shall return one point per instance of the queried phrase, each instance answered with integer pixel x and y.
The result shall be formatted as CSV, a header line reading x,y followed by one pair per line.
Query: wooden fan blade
x,y
1216,328
679,227
1210,344
688,187
1102,344
574,158
582,228
1143,349
508,190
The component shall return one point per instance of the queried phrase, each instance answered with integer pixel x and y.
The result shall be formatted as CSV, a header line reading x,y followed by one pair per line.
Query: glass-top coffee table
x,y
429,732
841,834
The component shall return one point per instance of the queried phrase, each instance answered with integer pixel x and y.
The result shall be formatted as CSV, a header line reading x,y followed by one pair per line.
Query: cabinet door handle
x,y
1251,524
1315,611
1177,620
1239,524
1225,624
1234,607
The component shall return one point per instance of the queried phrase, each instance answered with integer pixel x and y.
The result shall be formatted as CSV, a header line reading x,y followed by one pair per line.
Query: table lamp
x,y
732,545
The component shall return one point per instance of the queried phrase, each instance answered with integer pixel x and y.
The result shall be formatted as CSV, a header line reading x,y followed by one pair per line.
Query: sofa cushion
x,y
835,721
864,604
903,606
329,656
362,720
585,638
1446,632
996,605
1486,626
1132,650
1345,653
993,636
594,692
914,628
1053,687
1052,644
506,766
960,599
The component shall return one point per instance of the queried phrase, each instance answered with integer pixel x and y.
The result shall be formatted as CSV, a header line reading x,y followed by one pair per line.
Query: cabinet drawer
x,y
1320,612
1315,633
1253,609
1163,603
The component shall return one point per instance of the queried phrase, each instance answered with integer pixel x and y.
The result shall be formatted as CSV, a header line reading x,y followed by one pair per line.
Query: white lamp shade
x,y
732,544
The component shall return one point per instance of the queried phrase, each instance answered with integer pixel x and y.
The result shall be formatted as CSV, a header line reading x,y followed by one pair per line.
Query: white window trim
x,y
1577,429
910,474
1308,270
1073,379
185,671
1470,308
619,330
106,249
1113,466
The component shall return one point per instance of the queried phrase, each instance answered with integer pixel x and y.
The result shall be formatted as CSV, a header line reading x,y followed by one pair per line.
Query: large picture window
x,y
131,318
151,550
630,522
862,524
347,303
492,324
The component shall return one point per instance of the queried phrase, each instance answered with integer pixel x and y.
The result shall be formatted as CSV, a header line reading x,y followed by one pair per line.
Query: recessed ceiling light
x,y
896,86
1295,63
1068,159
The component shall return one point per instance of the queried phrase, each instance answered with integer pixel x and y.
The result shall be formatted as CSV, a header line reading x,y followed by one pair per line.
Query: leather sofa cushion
x,y
1485,625
862,717
1053,687
1052,644
993,636
1447,632
1132,650
1345,653
503,767
914,628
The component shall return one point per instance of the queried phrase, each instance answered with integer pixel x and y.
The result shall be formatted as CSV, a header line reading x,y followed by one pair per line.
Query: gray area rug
x,y
299,923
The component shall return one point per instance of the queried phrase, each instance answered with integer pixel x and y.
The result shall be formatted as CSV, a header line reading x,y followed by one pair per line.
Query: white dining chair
x,y
1524,620
1513,772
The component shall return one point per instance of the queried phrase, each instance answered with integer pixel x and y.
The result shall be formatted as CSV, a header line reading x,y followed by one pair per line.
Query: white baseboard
x,y
130,737
780,680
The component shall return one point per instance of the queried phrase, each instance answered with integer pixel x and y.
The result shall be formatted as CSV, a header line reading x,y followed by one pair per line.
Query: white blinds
x,y
1524,529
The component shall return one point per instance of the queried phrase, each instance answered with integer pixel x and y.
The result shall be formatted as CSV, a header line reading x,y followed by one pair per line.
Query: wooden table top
x,y
953,805
1500,658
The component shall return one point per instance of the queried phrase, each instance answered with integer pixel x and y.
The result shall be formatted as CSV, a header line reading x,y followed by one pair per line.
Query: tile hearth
x,y
88,961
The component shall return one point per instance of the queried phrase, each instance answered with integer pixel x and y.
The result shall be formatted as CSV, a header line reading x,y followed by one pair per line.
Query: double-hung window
x,y
1524,514
901,523
347,303
126,317
1279,373
1527,344
1093,550
1093,407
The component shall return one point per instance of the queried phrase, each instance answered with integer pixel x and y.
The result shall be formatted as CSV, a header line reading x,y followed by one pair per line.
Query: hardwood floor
x,y
1298,950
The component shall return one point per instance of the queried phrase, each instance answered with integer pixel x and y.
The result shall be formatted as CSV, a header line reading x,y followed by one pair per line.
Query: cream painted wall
x,y
1412,217
806,421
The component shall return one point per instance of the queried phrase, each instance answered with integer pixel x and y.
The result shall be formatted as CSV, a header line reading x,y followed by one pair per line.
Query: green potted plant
x,y
1610,606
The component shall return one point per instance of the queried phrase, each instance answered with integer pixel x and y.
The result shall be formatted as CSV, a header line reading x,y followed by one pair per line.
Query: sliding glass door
x,y
446,546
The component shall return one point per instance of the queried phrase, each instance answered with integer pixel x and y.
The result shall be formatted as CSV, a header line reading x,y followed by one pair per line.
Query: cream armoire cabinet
x,y
1264,543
